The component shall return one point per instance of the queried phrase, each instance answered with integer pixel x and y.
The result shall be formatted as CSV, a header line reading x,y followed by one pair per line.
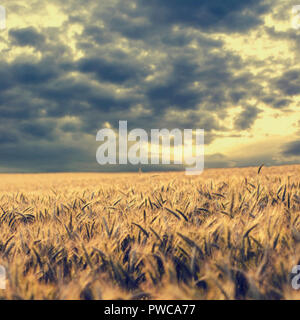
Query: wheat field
x,y
226,234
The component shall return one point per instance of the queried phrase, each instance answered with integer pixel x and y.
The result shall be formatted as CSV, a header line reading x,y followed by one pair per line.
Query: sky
x,y
71,67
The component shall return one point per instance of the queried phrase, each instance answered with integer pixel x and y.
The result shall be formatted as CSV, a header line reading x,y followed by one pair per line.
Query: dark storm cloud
x,y
22,72
5,78
207,15
218,79
30,73
292,149
282,103
156,64
70,127
220,86
7,137
276,101
38,130
26,37
17,103
232,15
246,118
289,37
114,71
289,82
81,98
45,157
95,34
